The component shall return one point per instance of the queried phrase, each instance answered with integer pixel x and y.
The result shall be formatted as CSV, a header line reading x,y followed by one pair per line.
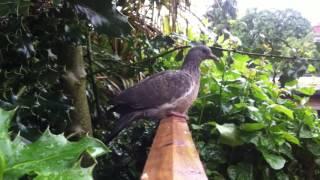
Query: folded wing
x,y
156,90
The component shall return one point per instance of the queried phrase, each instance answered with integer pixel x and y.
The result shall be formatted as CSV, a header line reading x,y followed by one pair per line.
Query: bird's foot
x,y
177,114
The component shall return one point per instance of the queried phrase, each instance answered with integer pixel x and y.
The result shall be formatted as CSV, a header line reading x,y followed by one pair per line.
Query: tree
x,y
278,32
220,14
268,31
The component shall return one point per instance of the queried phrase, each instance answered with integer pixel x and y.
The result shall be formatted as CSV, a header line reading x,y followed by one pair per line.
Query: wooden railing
x,y
173,155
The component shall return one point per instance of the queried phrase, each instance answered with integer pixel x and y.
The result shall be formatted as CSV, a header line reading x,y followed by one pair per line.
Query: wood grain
x,y
173,155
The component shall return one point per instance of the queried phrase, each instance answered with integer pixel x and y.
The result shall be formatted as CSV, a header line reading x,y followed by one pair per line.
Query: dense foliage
x,y
277,32
250,128
245,126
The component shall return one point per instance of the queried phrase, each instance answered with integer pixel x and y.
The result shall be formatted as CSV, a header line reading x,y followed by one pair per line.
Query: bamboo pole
x,y
173,154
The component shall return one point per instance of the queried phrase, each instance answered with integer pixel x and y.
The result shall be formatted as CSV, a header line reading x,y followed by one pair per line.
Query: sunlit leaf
x,y
282,109
311,68
306,90
252,126
258,93
291,138
229,134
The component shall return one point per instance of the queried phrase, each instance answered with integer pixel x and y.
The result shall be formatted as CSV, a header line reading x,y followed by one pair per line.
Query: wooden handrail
x,y
173,155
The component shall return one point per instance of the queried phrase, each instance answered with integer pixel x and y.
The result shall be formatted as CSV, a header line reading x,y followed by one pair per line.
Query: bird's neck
x,y
192,67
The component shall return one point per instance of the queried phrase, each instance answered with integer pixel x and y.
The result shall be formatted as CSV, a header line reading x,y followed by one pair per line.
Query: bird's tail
x,y
122,123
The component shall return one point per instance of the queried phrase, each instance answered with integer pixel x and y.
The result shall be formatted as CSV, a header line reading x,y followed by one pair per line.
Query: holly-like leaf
x,y
50,156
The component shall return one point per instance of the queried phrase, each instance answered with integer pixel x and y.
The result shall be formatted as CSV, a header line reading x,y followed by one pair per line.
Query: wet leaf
x,y
275,161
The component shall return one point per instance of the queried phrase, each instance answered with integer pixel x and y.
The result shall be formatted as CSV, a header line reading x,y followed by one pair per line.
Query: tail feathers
x,y
122,123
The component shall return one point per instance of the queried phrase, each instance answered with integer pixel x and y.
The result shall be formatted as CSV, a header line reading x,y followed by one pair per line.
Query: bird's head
x,y
196,55
201,53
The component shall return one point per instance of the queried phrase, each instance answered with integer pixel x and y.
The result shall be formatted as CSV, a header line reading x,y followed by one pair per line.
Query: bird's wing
x,y
156,90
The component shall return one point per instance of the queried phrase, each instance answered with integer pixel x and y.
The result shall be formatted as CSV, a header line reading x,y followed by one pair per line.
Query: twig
x,y
164,53
263,55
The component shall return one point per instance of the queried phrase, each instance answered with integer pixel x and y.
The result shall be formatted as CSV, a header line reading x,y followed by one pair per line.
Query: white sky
x,y
309,9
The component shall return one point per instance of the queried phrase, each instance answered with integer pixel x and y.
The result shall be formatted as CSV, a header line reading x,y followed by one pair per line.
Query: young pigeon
x,y
168,93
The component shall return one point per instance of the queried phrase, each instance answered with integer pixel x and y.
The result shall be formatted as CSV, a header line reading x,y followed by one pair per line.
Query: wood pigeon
x,y
168,93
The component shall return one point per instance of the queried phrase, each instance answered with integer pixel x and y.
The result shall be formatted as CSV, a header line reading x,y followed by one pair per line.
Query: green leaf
x,y
50,156
282,109
196,127
252,126
17,7
311,68
282,176
258,93
314,148
305,132
75,172
255,114
5,118
240,63
229,134
306,90
241,171
275,161
291,138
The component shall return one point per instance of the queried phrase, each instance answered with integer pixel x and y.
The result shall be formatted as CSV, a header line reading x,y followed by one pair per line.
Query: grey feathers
x,y
163,93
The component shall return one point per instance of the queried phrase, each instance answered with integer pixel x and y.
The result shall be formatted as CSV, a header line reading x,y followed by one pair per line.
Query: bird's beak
x,y
212,56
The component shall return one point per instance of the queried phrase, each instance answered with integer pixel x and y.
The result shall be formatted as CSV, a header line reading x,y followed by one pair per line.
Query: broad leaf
x,y
229,134
50,156
306,90
252,126
282,109
258,93
291,138
314,148
241,171
275,161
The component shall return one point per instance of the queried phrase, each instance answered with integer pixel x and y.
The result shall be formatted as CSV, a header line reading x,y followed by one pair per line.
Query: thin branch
x,y
263,55
164,53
